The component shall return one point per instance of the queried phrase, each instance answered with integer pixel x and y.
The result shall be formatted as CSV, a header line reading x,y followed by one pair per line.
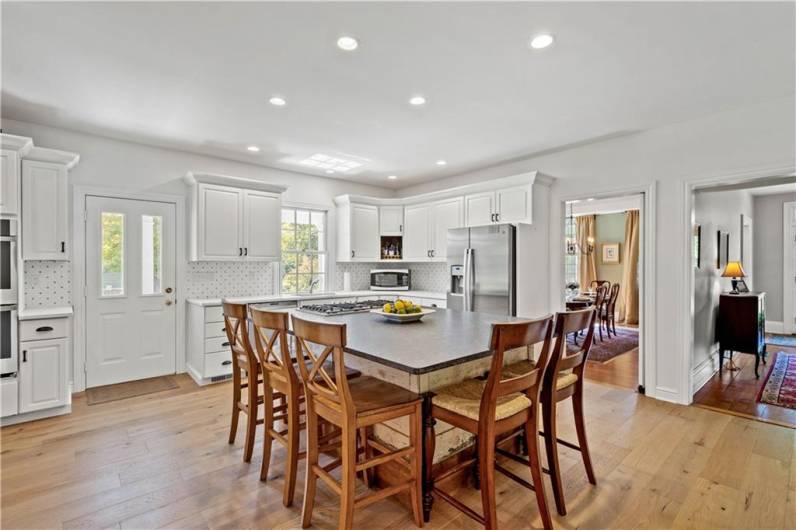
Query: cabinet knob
x,y
168,302
169,289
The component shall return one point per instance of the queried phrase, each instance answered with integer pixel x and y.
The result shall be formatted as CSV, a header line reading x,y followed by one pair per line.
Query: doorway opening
x,y
604,251
743,254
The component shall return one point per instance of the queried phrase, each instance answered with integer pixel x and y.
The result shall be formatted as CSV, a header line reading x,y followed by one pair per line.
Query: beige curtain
x,y
628,294
587,267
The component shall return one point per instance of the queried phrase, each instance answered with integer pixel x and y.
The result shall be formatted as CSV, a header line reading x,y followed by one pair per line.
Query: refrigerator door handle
x,y
468,279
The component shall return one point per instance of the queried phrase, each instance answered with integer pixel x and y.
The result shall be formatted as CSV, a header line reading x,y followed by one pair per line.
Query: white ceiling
x,y
199,76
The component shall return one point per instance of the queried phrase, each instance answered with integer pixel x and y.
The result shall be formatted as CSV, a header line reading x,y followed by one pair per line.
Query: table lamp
x,y
734,270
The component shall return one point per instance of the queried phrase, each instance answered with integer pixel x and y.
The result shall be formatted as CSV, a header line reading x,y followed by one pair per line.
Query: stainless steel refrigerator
x,y
481,265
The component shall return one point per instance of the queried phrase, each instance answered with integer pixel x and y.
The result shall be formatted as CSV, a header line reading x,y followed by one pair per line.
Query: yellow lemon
x,y
399,304
387,308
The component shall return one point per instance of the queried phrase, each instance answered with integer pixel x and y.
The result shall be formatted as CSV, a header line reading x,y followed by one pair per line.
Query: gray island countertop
x,y
442,339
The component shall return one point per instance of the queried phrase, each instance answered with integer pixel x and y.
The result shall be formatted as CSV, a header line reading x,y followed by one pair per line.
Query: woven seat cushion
x,y
523,367
464,398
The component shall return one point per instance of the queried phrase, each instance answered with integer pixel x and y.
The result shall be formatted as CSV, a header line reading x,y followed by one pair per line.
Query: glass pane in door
x,y
112,255
151,254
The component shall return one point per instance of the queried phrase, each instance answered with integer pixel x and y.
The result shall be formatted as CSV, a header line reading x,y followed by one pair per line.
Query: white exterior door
x,y
130,276
220,223
261,225
446,214
479,208
416,233
364,232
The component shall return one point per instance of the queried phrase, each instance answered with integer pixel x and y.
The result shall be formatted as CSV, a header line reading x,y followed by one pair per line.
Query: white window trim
x,y
330,245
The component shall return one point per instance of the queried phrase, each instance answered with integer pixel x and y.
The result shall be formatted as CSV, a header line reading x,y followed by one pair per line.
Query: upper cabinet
x,y
391,220
503,205
45,204
427,225
446,214
13,149
357,232
233,219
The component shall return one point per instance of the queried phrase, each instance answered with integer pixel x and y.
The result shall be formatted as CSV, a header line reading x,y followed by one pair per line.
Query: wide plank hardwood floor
x,y
162,460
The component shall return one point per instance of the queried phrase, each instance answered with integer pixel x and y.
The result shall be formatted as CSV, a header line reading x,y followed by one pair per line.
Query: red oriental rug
x,y
780,385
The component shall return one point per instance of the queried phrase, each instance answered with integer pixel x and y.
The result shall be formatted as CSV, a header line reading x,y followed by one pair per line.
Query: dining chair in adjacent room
x,y
599,283
492,410
245,375
354,407
283,394
608,311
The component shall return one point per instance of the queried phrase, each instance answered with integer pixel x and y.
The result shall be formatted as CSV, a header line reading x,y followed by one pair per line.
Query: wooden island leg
x,y
429,442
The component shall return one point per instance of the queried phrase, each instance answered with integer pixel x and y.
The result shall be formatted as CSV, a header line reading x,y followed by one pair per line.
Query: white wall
x,y
714,211
769,250
757,138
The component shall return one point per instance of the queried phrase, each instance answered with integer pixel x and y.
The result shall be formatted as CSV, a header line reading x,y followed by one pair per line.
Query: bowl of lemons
x,y
402,311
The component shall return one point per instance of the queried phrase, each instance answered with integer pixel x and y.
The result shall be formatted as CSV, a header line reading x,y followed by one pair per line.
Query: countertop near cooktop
x,y
319,296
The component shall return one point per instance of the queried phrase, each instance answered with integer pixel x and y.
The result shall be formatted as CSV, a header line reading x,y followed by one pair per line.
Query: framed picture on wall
x,y
610,252
722,249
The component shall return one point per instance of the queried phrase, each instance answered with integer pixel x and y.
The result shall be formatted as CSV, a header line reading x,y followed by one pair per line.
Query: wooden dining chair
x,y
245,376
492,409
599,283
283,394
354,407
563,379
608,311
598,306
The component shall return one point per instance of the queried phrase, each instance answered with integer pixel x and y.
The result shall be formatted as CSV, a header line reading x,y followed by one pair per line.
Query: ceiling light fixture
x,y
590,199
253,149
347,43
277,101
417,101
330,171
331,163
392,177
441,163
541,41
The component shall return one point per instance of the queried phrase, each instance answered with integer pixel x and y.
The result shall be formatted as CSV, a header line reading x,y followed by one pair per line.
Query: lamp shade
x,y
734,269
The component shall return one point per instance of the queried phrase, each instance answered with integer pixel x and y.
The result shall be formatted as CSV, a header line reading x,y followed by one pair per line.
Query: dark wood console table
x,y
741,326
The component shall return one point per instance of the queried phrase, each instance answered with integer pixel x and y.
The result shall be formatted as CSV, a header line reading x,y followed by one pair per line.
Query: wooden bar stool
x,y
563,378
283,394
245,375
353,406
492,408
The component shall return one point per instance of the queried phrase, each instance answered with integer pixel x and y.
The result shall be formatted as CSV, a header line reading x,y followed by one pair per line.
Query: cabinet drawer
x,y
214,329
48,328
214,314
216,344
219,363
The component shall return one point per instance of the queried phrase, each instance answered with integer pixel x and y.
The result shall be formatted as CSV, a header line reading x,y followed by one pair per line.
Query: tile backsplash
x,y
425,276
48,284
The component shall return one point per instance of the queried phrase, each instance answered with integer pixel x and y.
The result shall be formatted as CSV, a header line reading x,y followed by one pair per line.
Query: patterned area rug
x,y
780,386
781,340
626,339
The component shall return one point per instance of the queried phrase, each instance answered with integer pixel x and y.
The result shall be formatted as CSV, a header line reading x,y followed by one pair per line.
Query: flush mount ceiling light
x,y
277,101
331,163
392,177
441,163
253,149
417,101
541,41
347,43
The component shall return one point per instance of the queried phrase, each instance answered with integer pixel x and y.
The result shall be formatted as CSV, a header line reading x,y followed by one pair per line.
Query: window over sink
x,y
304,266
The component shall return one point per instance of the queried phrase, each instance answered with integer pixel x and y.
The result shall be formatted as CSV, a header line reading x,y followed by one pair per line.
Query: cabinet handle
x,y
240,251
245,251
63,246
400,228
492,217
225,343
497,217
432,253
43,329
24,356
226,363
352,253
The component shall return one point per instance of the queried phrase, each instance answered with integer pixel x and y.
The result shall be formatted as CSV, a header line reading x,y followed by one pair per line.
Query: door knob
x,y
168,302
169,289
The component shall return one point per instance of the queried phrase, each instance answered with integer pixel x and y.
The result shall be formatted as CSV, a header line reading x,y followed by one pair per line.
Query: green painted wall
x,y
609,228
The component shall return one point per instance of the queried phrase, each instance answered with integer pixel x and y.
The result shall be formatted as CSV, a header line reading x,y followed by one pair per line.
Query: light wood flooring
x,y
736,392
162,460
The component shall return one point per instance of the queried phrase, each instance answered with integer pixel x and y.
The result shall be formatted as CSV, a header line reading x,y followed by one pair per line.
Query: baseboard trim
x,y
702,373
775,327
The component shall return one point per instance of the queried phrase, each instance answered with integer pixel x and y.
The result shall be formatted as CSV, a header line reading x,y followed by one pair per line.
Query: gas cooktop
x,y
343,308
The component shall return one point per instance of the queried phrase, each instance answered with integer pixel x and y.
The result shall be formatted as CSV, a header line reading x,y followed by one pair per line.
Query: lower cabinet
x,y
209,356
43,374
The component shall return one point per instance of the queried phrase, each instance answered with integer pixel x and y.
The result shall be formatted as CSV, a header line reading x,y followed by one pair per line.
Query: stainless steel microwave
x,y
389,280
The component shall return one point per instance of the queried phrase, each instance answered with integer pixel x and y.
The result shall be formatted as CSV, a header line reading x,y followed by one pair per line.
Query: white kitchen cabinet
x,y
357,232
9,182
446,214
417,233
233,223
45,216
504,205
262,225
43,374
480,208
391,220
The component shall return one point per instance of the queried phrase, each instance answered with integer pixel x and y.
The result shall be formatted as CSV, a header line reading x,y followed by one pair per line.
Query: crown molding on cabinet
x,y
194,177
20,144
53,156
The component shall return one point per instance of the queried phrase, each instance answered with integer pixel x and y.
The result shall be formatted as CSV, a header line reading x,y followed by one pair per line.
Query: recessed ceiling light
x,y
347,43
441,163
253,149
541,41
417,101
590,199
277,101
330,171
392,177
